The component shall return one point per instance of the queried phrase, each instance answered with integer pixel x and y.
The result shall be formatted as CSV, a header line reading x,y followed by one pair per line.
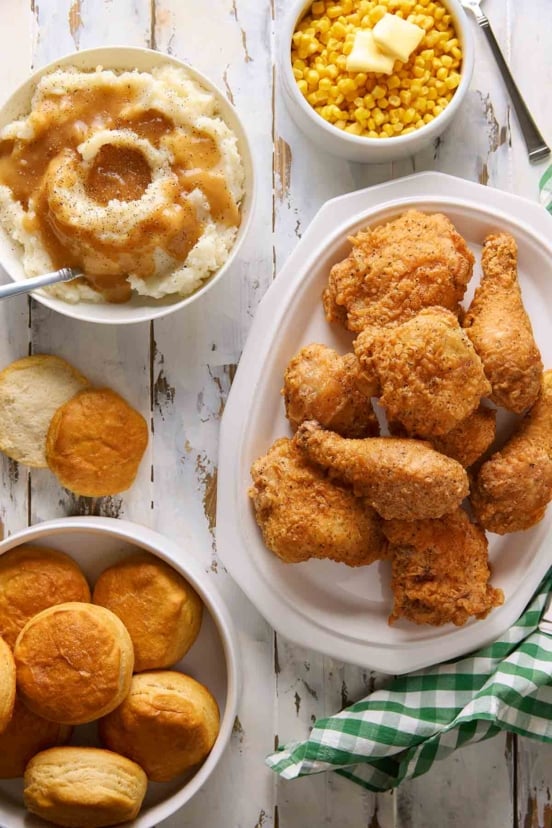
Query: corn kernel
x,y
334,11
378,92
354,129
318,7
303,87
338,30
377,13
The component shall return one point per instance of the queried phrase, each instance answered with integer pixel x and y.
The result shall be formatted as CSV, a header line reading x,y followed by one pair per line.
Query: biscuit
x,y
74,663
168,723
31,390
25,735
7,684
158,607
95,443
33,578
83,787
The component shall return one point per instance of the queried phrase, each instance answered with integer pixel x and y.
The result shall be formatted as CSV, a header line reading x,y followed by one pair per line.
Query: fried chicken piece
x,y
498,325
513,488
430,376
399,478
440,570
467,441
304,515
398,268
319,384
470,438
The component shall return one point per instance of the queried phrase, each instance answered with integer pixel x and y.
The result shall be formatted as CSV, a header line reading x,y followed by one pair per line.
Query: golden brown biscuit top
x,y
95,443
33,578
168,723
73,661
84,787
160,609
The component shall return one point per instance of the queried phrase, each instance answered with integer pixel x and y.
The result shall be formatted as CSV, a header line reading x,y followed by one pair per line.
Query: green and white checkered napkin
x,y
398,733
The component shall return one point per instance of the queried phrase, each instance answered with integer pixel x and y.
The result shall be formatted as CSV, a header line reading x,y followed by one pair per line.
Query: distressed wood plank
x,y
195,355
116,357
16,50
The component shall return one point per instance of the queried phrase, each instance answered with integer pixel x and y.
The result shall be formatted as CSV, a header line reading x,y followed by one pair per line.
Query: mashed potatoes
x,y
132,177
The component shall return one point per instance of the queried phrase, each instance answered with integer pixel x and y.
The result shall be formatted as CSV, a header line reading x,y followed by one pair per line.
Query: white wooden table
x,y
179,370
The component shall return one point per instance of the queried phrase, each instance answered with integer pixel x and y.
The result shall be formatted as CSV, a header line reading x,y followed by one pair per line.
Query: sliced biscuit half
x,y
31,391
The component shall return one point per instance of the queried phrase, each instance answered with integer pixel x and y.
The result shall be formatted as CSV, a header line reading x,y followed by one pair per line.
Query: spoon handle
x,y
65,274
536,145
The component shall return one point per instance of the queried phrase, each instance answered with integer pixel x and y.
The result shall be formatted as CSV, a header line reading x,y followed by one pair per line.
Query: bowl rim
x,y
152,308
428,131
167,550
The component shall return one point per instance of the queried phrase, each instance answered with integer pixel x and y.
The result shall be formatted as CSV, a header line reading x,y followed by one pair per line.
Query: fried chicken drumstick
x,y
302,514
399,478
513,488
501,332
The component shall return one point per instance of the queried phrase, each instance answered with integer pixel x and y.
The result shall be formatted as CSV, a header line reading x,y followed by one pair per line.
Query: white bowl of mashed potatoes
x,y
130,166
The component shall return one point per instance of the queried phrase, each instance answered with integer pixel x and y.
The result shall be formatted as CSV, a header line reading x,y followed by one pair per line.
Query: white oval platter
x,y
328,606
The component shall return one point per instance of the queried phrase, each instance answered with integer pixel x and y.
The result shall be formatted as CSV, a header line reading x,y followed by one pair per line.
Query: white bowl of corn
x,y
375,80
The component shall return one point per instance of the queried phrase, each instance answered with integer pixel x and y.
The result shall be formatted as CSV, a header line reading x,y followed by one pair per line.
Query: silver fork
x,y
26,285
536,145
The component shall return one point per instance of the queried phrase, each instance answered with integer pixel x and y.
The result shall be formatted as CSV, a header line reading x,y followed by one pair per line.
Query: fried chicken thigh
x,y
430,376
302,514
396,269
319,384
467,441
500,330
470,438
399,478
440,570
513,488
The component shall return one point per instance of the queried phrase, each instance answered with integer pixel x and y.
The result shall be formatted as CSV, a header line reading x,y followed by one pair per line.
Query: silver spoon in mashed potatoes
x,y
132,178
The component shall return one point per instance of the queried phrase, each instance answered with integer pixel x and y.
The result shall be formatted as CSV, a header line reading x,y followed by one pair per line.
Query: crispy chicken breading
x,y
397,269
513,488
430,376
319,384
440,571
467,442
302,514
399,478
470,439
500,329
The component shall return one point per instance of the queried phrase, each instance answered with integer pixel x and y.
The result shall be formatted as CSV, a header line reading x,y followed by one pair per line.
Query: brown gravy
x,y
117,172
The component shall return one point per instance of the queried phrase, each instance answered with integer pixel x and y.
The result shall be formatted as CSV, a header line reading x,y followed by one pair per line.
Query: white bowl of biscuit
x,y
74,574
130,166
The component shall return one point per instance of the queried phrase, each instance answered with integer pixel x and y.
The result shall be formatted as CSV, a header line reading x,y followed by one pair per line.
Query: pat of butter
x,y
397,37
366,57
